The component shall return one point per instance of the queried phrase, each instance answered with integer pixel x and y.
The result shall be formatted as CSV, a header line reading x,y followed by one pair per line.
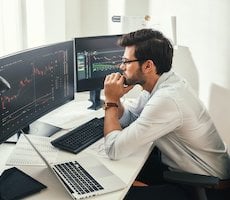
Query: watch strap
x,y
109,105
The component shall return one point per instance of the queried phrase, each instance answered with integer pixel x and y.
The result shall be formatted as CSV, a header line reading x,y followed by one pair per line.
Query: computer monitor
x,y
40,79
96,57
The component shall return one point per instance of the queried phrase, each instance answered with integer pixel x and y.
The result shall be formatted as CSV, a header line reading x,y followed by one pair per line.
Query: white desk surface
x,y
127,168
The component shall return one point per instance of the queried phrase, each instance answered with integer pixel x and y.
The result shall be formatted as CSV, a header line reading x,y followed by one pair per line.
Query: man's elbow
x,y
112,148
111,153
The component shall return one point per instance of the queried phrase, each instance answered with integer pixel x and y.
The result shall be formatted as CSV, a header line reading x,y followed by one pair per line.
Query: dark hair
x,y
150,45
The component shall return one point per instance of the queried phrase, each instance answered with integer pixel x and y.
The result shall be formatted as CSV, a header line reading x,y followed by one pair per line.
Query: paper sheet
x,y
24,154
98,148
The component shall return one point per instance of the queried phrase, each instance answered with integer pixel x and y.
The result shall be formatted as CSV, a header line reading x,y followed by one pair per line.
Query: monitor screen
x,y
95,58
40,79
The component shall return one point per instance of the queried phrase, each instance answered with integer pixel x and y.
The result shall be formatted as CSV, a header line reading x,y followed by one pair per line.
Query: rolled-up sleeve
x,y
127,118
109,144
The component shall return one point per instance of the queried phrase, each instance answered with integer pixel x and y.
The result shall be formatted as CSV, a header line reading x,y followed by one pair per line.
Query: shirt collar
x,y
161,79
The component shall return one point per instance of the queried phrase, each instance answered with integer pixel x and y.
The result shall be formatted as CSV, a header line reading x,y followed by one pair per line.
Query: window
x,y
10,26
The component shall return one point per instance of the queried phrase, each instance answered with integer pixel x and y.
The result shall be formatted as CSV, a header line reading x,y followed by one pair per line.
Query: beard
x,y
134,81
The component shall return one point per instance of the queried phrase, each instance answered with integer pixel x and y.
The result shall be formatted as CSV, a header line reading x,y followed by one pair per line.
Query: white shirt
x,y
179,125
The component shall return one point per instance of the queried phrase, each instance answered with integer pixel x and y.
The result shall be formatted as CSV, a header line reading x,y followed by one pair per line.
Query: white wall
x,y
73,19
51,21
94,17
55,20
10,26
35,20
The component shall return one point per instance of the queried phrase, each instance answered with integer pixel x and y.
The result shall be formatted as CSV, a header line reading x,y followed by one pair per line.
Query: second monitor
x,y
95,58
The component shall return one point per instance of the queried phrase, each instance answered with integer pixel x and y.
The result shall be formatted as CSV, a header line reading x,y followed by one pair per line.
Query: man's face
x,y
131,69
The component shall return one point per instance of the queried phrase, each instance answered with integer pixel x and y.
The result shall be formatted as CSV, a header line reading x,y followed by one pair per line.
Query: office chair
x,y
201,187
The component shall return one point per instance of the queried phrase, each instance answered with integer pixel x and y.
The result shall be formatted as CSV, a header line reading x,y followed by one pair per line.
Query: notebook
x,y
83,177
15,184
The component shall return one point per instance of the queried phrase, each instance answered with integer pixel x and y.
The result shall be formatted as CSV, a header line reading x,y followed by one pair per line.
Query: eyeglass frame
x,y
130,61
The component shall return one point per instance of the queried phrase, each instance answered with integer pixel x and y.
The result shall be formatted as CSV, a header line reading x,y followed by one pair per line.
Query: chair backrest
x,y
200,185
219,110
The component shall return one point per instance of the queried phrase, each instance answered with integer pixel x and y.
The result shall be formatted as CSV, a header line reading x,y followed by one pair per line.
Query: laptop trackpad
x,y
100,171
94,167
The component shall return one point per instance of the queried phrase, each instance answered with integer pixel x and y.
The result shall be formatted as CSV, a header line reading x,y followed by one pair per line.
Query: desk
x,y
127,169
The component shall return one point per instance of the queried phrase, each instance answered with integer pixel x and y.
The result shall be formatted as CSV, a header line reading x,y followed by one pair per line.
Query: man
x,y
167,113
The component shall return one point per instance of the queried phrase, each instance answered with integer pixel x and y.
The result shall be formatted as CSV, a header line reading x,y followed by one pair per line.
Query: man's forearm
x,y
111,121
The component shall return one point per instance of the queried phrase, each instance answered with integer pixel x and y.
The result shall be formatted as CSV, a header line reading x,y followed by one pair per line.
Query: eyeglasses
x,y
124,62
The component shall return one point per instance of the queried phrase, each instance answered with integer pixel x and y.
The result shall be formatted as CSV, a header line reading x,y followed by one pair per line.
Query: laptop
x,y
83,177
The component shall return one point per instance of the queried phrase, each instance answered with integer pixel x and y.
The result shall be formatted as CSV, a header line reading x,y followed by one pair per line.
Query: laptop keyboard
x,y
81,137
78,178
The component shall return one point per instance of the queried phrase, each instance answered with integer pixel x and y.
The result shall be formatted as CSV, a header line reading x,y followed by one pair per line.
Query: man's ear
x,y
149,66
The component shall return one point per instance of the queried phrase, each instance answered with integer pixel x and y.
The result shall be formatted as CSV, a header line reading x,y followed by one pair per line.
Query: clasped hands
x,y
114,87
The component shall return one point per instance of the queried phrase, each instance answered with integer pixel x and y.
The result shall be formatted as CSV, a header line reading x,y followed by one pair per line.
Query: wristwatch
x,y
109,105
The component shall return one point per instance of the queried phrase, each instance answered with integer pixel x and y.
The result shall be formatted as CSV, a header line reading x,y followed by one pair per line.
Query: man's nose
x,y
122,66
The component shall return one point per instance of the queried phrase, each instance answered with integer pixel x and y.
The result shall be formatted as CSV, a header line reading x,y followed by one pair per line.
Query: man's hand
x,y
114,87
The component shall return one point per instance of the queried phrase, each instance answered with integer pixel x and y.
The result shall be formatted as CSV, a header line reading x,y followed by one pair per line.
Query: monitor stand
x,y
95,99
36,128
41,129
